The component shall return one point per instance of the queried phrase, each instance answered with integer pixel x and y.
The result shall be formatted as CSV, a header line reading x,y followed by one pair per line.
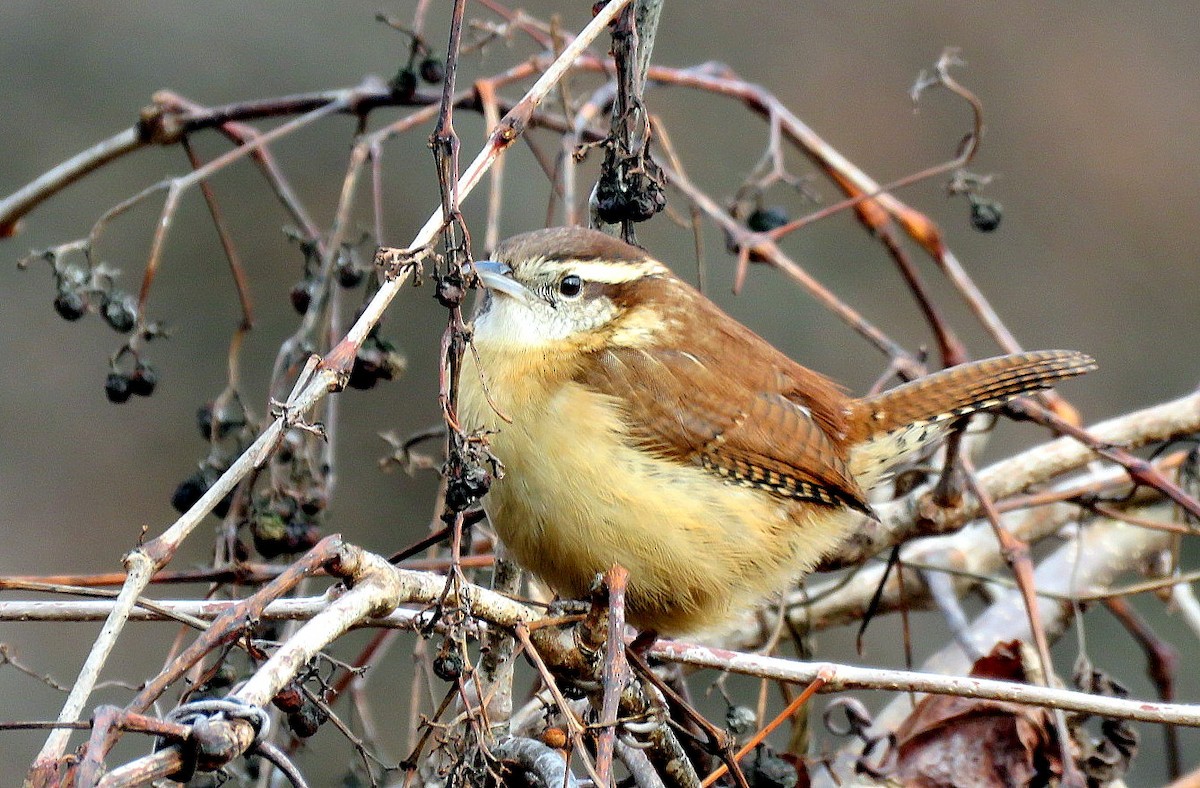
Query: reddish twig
x,y
616,671
1162,663
1016,554
1139,470
574,725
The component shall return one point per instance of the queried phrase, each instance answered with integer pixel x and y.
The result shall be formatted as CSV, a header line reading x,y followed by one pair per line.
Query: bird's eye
x,y
570,286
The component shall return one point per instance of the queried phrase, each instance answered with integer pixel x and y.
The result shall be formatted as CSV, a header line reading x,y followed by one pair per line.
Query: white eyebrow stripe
x,y
604,273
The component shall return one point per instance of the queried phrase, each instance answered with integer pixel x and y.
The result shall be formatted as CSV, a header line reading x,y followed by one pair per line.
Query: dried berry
x,y
302,535
222,506
450,290
986,214
404,84
554,737
289,700
308,720
364,374
376,360
224,425
771,771
117,387
628,192
467,486
314,503
302,295
764,220
120,312
143,380
284,505
218,684
448,665
433,70
740,720
270,535
348,274
189,491
70,305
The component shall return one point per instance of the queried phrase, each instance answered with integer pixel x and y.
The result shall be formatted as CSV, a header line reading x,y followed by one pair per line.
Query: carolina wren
x,y
650,429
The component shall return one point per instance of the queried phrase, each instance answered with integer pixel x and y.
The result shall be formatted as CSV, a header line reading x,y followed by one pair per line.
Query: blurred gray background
x,y
1091,115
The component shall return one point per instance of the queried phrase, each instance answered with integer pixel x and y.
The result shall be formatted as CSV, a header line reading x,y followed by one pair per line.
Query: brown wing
x,y
736,406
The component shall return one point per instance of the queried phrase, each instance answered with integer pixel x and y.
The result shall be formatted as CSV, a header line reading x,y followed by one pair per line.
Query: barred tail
x,y
900,421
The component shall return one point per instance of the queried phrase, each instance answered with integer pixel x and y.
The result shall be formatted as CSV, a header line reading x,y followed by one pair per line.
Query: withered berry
x,y
70,305
985,214
120,312
433,70
143,380
117,387
764,220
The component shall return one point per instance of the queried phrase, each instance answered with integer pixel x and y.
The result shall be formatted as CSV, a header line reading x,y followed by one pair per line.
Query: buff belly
x,y
576,499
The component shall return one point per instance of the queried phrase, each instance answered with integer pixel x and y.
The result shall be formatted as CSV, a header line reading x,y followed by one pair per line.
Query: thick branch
x,y
918,515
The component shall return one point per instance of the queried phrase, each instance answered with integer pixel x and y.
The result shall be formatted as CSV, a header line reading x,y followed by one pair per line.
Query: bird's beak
x,y
498,277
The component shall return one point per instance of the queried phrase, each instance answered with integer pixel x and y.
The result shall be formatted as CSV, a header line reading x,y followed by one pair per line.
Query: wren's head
x,y
568,285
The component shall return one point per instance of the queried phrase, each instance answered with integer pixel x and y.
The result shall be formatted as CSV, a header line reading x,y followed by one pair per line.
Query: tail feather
x,y
967,388
898,422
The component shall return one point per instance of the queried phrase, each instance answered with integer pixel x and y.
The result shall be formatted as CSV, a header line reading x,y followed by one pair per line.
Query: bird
x,y
639,424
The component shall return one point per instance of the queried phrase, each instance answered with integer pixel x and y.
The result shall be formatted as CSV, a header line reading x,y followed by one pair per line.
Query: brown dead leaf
x,y
951,741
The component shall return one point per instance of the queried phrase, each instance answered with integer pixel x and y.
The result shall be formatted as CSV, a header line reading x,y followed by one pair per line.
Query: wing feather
x,y
735,406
